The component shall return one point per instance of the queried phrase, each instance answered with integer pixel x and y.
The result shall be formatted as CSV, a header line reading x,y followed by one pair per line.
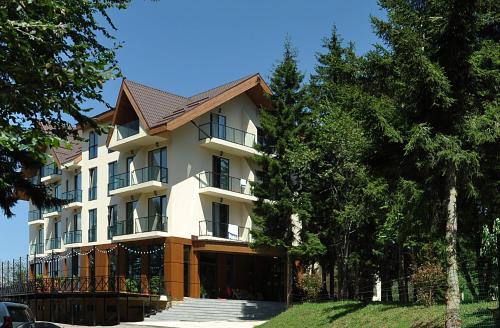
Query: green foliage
x,y
155,285
54,58
132,285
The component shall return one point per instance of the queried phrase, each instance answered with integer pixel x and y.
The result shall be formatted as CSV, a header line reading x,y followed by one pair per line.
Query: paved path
x,y
173,324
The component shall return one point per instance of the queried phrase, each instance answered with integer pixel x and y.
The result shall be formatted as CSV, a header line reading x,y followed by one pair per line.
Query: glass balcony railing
x,y
92,234
36,249
34,215
127,130
49,169
151,173
72,196
124,227
72,237
53,243
223,181
151,223
224,132
224,230
51,209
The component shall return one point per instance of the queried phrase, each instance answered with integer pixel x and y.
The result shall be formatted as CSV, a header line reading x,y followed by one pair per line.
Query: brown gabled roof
x,y
158,107
65,155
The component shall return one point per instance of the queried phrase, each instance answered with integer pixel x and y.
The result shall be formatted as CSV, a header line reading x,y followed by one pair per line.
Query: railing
x,y
53,243
36,249
92,234
151,223
224,132
151,173
92,193
34,215
49,169
224,230
72,196
51,209
126,130
146,285
124,227
226,182
72,237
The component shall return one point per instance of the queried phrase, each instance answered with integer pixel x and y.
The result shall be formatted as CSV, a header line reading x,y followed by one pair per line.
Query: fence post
x,y
498,274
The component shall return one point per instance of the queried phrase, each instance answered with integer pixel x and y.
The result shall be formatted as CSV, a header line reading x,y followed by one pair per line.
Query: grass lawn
x,y
354,314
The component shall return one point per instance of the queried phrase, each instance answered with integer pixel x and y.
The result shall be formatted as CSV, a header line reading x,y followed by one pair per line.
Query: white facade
x,y
189,201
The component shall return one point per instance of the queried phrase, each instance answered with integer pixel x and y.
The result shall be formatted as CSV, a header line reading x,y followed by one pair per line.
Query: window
x,y
158,164
93,183
220,177
57,191
157,215
112,219
92,225
92,145
187,252
129,216
112,171
218,126
220,217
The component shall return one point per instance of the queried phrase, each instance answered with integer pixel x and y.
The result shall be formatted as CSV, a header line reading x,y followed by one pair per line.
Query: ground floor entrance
x,y
241,276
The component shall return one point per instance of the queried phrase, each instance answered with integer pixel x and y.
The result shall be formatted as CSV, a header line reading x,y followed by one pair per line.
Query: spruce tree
x,y
450,113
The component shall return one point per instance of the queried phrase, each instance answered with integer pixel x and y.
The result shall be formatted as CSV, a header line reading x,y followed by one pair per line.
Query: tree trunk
x,y
332,280
453,291
288,285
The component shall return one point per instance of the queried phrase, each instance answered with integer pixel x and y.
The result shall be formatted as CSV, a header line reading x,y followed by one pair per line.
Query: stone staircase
x,y
202,309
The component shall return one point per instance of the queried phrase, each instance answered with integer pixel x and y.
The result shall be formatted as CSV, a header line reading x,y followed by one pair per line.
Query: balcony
x,y
213,230
139,228
131,135
147,179
227,139
73,199
36,249
35,217
72,237
92,235
225,186
53,244
50,173
51,212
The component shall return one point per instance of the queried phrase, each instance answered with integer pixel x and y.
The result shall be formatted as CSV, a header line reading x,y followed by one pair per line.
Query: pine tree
x,y
433,45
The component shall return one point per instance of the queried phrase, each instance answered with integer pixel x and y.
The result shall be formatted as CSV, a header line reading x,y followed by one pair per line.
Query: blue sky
x,y
190,46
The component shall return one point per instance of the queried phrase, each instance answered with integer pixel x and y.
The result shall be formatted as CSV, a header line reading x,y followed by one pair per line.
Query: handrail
x,y
127,130
224,230
151,223
34,215
50,169
53,243
72,196
149,173
224,132
72,237
226,182
51,209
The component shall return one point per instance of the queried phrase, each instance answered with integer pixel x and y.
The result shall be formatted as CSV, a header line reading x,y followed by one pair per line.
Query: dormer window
x,y
92,145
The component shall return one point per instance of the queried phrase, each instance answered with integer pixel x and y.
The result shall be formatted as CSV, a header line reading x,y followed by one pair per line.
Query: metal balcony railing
x,y
224,230
92,234
150,173
223,181
72,237
36,249
34,215
51,209
224,132
123,227
127,130
151,223
72,196
53,243
49,169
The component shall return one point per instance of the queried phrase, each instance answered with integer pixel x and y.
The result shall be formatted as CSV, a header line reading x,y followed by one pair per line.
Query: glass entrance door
x,y
218,126
220,219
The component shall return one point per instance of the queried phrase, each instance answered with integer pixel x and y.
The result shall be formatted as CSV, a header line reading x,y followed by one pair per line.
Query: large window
x,y
218,126
93,183
92,225
133,272
157,215
187,252
112,220
220,166
112,171
220,220
158,164
92,145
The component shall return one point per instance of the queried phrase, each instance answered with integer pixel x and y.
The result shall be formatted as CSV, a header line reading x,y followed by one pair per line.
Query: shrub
x,y
310,285
430,283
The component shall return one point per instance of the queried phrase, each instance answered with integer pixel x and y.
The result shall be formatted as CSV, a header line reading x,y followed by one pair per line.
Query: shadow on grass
x,y
344,309
482,318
